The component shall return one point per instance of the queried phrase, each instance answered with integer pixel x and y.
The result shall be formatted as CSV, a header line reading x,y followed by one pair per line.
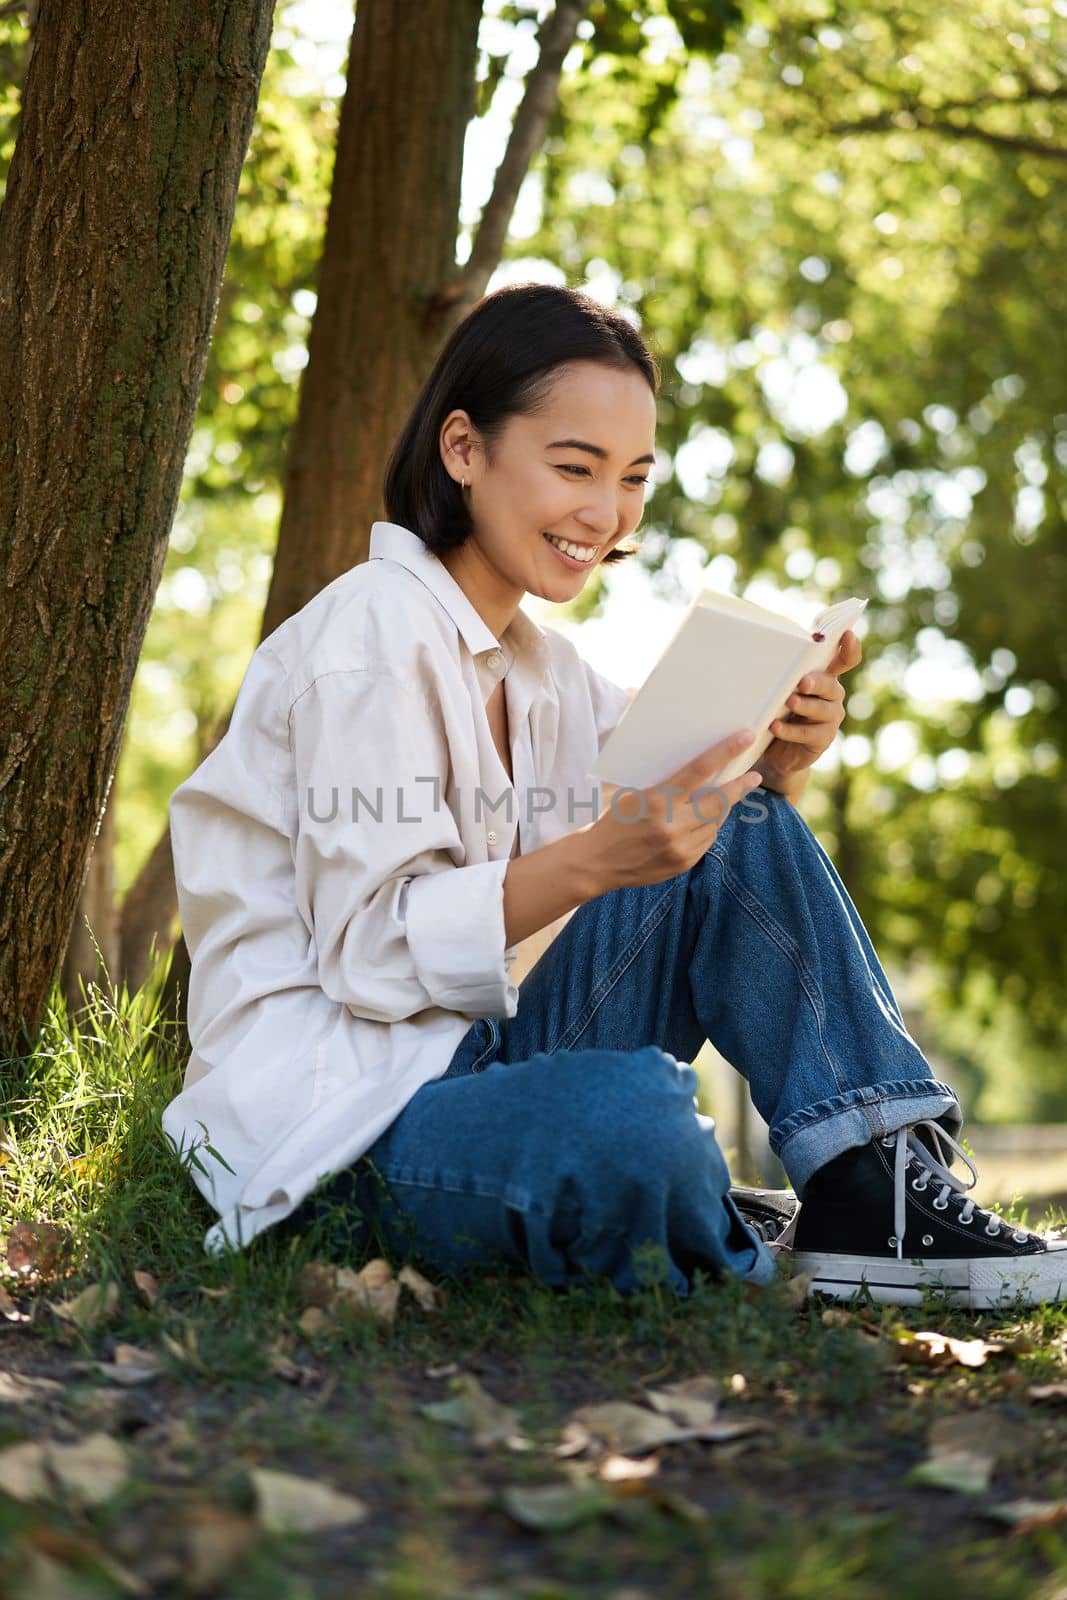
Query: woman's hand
x,y
647,835
816,711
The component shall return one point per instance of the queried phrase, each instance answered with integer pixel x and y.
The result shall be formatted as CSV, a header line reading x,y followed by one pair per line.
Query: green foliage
x,y
844,242
14,51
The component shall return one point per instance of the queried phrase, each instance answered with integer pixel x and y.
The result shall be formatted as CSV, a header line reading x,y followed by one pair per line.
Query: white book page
x,y
831,623
721,671
737,605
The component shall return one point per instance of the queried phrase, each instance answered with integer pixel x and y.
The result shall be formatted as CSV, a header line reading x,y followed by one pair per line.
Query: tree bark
x,y
113,236
389,289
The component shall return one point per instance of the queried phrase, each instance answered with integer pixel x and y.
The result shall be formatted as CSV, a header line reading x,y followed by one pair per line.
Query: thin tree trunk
x,y
847,854
743,1131
389,290
113,235
147,911
93,951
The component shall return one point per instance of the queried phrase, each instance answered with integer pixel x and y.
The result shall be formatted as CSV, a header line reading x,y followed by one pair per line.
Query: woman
x,y
399,811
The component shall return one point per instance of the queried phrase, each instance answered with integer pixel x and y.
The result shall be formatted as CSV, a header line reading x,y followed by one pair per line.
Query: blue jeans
x,y
566,1138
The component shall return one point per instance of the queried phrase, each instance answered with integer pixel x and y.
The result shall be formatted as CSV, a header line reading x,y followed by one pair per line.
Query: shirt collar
x,y
396,543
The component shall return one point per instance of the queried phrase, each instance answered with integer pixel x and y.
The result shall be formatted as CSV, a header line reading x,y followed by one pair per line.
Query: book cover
x,y
731,664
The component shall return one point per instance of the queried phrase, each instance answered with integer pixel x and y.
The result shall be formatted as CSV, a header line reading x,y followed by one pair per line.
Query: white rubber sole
x,y
983,1284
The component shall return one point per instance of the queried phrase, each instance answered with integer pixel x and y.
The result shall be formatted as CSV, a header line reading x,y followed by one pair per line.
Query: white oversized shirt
x,y
340,861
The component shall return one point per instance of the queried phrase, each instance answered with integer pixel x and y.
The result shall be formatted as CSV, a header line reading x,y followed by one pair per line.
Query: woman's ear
x,y
457,445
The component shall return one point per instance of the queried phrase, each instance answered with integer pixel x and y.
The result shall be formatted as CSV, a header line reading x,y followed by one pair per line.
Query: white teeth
x,y
579,552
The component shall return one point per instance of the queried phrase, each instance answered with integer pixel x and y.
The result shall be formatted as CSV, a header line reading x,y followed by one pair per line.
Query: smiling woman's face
x,y
574,471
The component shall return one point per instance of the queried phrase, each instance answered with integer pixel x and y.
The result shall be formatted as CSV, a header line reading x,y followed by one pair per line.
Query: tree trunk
x,y
147,912
390,247
113,235
847,853
389,291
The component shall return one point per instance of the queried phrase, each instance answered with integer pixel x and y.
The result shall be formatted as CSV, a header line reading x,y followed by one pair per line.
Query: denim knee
x,y
630,1119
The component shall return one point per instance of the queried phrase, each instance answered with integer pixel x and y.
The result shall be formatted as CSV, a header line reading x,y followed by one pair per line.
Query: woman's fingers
x,y
849,653
823,685
796,732
815,708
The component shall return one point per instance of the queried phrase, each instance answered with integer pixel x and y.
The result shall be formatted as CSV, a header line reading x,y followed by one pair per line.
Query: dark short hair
x,y
499,362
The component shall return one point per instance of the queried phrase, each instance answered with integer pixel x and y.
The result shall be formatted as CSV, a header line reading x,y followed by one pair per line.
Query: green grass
x,y
818,1507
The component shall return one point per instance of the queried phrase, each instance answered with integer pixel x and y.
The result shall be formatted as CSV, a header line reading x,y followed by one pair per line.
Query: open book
x,y
731,664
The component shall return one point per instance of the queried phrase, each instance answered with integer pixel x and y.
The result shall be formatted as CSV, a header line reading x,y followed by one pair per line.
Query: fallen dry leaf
x,y
87,1472
428,1296
290,1504
553,1507
373,1288
131,1365
625,1469
472,1407
574,1439
22,1471
40,1247
631,1430
627,1428
325,1287
17,1389
693,1402
940,1350
1047,1391
1023,1516
148,1284
94,1306
960,1455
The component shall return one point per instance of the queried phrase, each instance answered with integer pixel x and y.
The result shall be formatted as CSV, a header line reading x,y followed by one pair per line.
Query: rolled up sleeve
x,y
400,920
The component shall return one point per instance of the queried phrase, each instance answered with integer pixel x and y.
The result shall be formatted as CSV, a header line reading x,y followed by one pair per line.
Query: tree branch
x,y
936,119
890,121
558,32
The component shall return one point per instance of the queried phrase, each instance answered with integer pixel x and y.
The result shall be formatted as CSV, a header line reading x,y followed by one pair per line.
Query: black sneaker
x,y
890,1215
768,1212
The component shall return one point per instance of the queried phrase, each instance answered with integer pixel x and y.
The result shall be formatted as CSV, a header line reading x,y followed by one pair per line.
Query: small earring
x,y
464,483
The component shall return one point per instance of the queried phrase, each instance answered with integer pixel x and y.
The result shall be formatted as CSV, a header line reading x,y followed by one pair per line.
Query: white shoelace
x,y
910,1150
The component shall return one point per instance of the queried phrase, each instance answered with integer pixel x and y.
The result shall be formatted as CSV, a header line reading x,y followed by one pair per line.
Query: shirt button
x,y
495,659
491,836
